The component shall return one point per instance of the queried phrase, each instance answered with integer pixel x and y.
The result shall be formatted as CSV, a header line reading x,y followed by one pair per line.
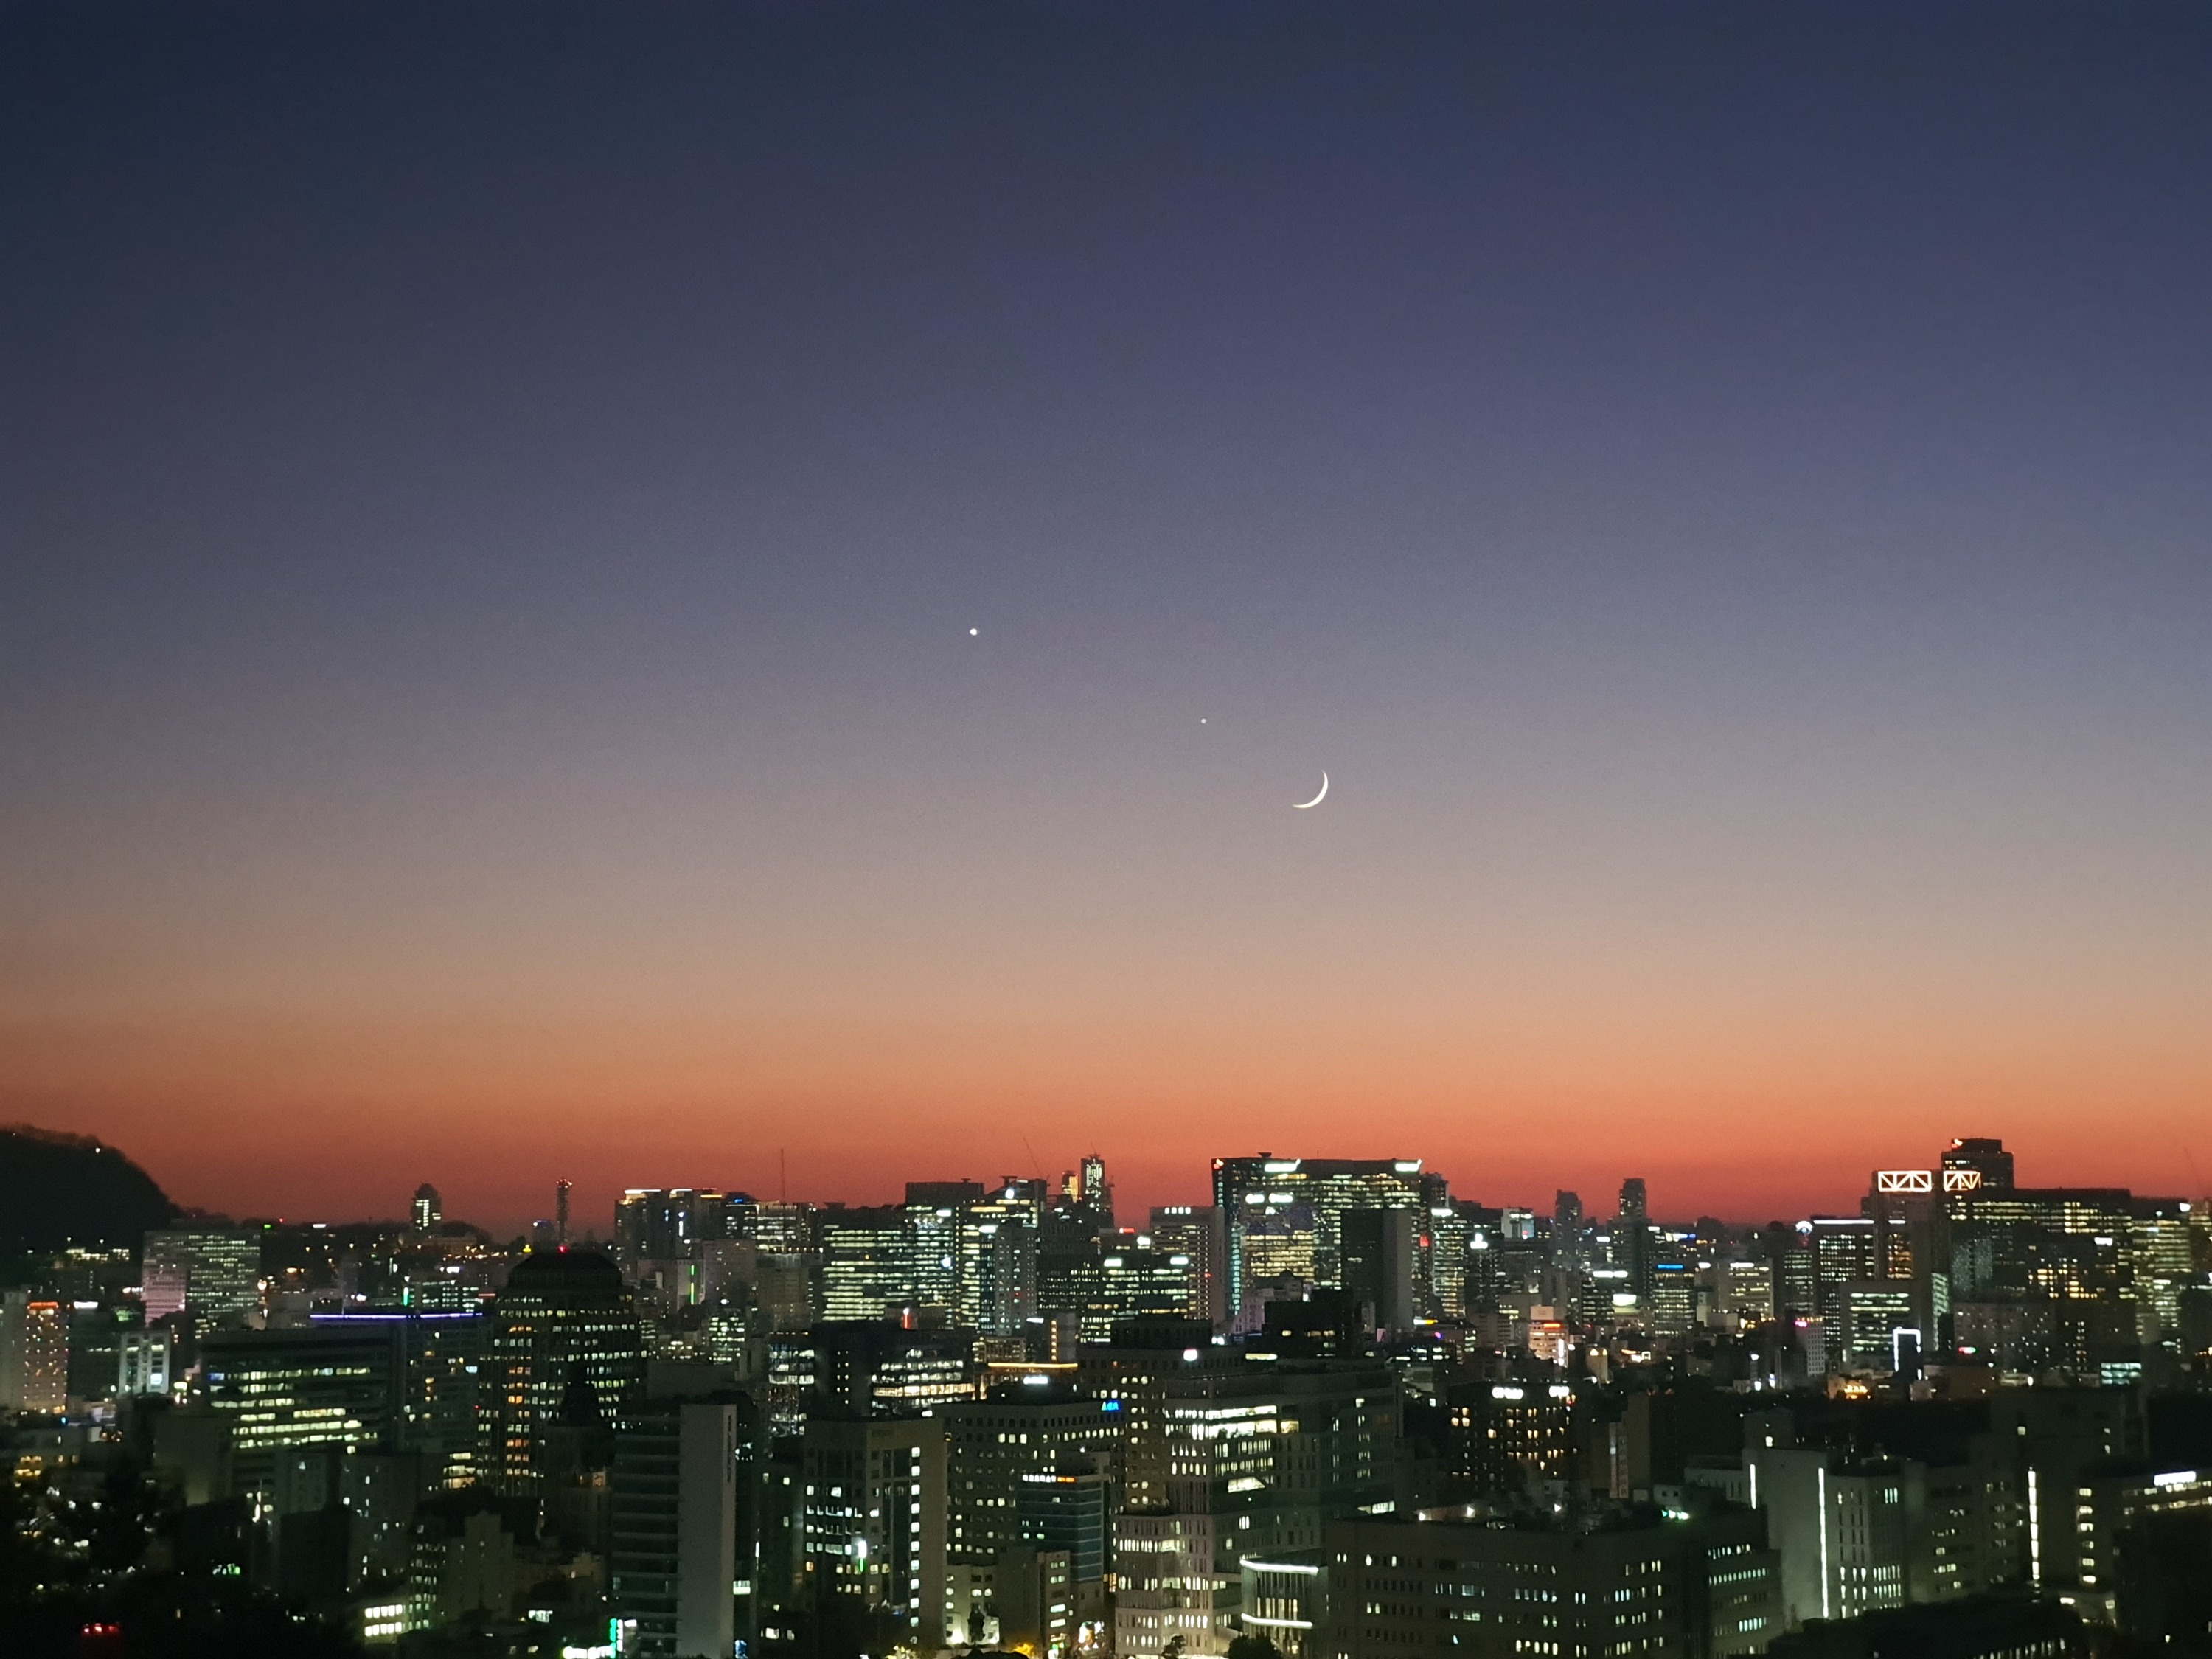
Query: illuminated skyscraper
x,y
33,1353
437,1358
1246,1190
1278,1247
213,1273
429,1212
1843,1247
1569,1232
972,1251
1111,1283
997,1259
873,1518
1672,1310
1632,1234
1441,1284
667,1224
777,1227
280,1390
864,1265
1226,1457
560,1312
1095,1192
1196,1233
1988,1161
992,1444
142,1362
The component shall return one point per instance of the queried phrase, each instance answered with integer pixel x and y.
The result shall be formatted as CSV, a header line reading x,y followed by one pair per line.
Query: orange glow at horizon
x,y
298,1118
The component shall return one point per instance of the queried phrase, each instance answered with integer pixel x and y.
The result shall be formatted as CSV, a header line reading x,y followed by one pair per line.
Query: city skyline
x,y
589,1205
1100,830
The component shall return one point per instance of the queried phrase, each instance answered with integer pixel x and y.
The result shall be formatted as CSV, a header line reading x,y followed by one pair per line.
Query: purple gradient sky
x,y
495,498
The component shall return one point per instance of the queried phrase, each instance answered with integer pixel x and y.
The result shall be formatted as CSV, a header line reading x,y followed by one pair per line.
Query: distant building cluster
x,y
1336,1414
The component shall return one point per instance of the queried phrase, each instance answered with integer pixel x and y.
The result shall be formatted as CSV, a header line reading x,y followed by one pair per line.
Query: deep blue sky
x,y
494,497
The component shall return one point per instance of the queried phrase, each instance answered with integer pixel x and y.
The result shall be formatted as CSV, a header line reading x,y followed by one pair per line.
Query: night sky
x,y
494,498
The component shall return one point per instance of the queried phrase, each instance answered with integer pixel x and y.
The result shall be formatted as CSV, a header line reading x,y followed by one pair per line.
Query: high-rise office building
x,y
667,1224
2085,1263
1035,1599
2082,1563
463,1555
1843,1253
1481,1274
211,1273
931,1234
992,1445
675,1560
1984,1163
1569,1232
1674,1306
935,1210
866,1367
1509,1440
563,1313
439,1361
1876,1326
1396,1589
1071,1509
998,1260
1840,1526
788,1289
1225,1456
1441,1274
775,1226
873,1518
1857,1535
2162,1237
34,1352
142,1362
1632,1240
972,1251
94,1335
1250,1191
1377,1261
1081,1212
428,1210
1744,1291
280,1390
864,1262
1100,1284
1196,1232
1095,1191
93,1274
1797,1267
1279,1250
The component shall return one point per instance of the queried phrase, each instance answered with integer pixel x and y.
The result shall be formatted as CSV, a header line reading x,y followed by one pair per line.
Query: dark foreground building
x,y
1996,1626
1656,1589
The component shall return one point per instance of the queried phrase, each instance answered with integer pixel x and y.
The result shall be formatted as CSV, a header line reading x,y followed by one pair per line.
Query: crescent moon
x,y
1301,806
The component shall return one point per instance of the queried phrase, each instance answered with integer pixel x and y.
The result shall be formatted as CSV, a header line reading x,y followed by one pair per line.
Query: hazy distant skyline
x,y
496,499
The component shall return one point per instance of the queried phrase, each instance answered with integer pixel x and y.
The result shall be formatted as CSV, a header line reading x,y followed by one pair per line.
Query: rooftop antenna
x,y
782,1178
561,1213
